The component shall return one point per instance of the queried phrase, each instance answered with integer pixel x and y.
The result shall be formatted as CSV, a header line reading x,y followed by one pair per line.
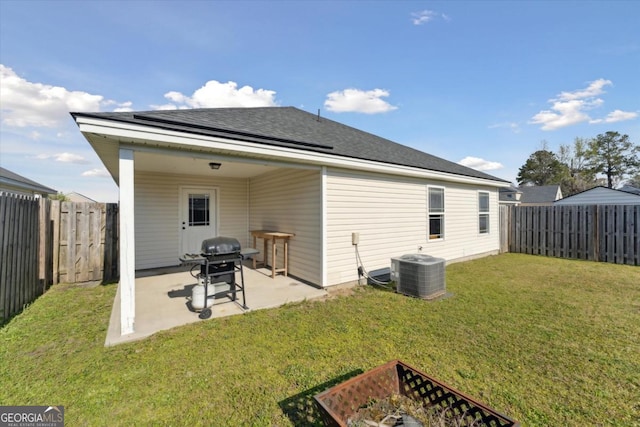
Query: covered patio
x,y
162,299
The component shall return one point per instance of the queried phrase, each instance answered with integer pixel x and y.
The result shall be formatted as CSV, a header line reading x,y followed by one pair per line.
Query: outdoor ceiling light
x,y
214,165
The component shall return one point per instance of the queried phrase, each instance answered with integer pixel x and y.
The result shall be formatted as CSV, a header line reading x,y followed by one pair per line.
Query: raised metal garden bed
x,y
338,404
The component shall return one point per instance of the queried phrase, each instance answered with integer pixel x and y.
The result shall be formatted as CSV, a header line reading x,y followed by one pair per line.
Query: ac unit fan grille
x,y
419,275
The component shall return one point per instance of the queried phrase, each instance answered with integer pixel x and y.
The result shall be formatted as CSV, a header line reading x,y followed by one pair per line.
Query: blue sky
x,y
482,83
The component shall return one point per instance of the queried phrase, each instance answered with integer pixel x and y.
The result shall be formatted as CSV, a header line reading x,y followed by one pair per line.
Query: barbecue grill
x,y
218,261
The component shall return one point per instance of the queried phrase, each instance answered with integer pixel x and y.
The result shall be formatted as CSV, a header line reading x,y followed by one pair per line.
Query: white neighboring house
x,y
510,196
79,198
283,169
11,182
602,196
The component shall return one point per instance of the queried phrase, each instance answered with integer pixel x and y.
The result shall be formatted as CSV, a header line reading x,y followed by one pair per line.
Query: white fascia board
x,y
133,134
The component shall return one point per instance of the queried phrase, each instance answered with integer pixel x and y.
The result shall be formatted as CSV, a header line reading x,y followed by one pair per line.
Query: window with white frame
x,y
436,213
483,212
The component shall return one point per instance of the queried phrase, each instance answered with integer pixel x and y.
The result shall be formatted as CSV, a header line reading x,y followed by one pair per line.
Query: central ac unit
x,y
419,275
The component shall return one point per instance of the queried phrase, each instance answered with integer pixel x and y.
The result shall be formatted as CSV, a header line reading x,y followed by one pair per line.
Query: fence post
x,y
55,225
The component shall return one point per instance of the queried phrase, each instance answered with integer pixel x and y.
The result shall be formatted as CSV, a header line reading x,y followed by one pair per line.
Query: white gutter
x,y
134,134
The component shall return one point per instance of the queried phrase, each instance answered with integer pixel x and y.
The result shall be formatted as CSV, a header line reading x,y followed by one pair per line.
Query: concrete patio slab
x,y
163,295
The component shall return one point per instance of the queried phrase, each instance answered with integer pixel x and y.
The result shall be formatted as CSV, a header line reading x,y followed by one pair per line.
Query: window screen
x,y
436,213
483,213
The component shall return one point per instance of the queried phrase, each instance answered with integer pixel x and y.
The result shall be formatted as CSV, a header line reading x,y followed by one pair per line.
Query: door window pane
x,y
198,210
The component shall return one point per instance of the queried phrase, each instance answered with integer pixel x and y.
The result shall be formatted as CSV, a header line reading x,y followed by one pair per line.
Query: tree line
x,y
607,160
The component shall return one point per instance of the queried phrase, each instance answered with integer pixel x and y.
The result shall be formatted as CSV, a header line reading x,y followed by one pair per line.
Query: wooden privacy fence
x,y
606,233
21,280
43,242
85,242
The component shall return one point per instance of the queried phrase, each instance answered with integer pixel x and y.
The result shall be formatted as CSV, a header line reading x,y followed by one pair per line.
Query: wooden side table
x,y
273,236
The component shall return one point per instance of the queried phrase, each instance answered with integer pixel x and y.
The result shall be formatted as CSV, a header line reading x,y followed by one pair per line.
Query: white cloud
x,y
64,158
569,108
480,164
97,173
216,94
514,127
164,107
359,101
125,106
27,103
424,16
617,116
595,88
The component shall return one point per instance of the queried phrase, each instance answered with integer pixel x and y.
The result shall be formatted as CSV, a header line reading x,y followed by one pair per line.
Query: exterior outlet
x,y
355,238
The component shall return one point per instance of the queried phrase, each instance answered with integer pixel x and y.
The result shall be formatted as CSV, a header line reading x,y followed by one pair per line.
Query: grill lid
x,y
220,246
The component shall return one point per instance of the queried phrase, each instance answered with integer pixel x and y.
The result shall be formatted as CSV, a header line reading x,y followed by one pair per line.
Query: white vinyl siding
x,y
289,200
391,215
157,214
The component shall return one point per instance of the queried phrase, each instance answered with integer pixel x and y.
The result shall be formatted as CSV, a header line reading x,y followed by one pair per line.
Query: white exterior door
x,y
198,217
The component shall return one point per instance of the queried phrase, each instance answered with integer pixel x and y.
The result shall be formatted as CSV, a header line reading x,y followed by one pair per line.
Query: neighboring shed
x,y
283,169
601,196
542,195
11,182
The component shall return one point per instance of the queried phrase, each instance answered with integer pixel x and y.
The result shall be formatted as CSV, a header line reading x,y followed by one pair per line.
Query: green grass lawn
x,y
549,342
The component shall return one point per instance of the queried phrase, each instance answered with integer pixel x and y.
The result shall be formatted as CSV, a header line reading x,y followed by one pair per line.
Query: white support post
x,y
323,225
127,243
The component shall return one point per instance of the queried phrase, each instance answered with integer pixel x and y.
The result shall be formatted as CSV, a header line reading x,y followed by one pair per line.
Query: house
x,y
510,196
602,196
540,195
11,182
630,189
78,198
186,175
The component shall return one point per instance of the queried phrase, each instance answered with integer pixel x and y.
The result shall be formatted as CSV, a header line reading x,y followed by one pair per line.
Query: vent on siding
x,y
419,275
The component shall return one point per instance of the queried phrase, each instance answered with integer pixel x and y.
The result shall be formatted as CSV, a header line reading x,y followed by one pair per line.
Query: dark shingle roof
x,y
630,189
293,128
539,194
16,180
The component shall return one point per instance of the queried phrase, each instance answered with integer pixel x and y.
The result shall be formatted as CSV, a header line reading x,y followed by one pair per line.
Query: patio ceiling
x,y
151,158
192,165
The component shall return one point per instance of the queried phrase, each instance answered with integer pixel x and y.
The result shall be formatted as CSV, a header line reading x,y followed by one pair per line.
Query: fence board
x,y
88,242
4,255
504,228
591,232
111,260
43,242
55,225
19,278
